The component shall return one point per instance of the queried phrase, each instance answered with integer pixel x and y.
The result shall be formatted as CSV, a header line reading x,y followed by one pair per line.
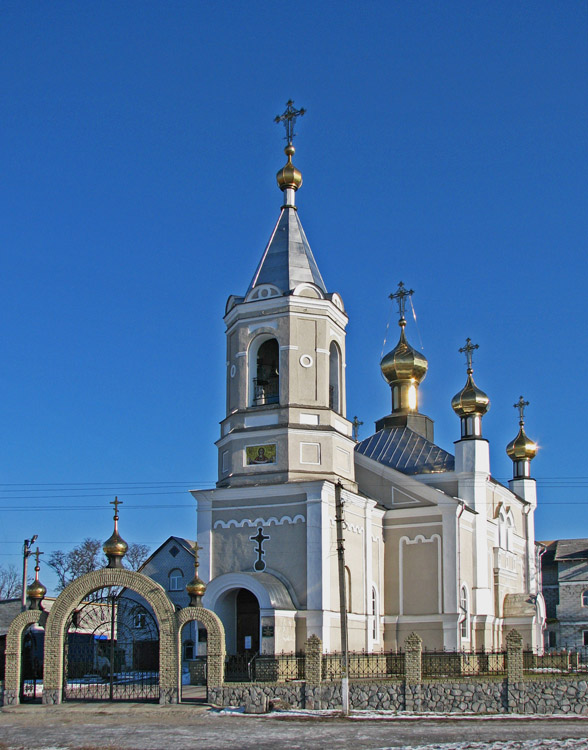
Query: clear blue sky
x,y
445,144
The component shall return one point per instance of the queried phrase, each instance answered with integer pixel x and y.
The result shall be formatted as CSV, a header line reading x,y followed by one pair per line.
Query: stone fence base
x,y
550,696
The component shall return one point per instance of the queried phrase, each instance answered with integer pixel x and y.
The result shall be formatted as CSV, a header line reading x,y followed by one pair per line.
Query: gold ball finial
x,y
36,591
115,547
289,176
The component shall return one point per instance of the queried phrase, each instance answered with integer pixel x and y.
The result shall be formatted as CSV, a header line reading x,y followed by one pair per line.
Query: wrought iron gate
x,y
111,649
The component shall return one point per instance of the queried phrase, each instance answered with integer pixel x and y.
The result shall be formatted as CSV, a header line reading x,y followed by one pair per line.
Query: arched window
x,y
264,369
464,605
176,580
375,615
335,377
585,598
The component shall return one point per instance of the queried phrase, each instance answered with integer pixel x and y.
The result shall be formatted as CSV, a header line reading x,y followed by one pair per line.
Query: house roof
x,y
404,450
9,609
567,549
187,544
287,260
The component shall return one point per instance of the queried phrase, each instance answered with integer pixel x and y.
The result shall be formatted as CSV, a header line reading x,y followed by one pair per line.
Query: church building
x,y
432,542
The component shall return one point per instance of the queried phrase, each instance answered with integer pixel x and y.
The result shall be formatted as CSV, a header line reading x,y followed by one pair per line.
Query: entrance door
x,y
247,622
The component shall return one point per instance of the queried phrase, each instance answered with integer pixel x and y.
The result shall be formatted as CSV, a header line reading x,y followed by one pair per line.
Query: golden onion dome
x,y
470,400
404,362
196,587
289,176
36,590
115,546
522,447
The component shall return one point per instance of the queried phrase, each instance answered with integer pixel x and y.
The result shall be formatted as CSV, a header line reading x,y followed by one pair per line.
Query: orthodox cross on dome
x,y
468,350
520,405
37,553
289,119
260,538
116,502
400,296
356,424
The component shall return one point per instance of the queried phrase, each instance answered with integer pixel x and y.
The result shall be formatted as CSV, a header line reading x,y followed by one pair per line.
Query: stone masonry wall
x,y
552,696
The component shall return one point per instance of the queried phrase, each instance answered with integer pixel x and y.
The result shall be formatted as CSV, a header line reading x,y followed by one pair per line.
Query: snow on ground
x,y
581,744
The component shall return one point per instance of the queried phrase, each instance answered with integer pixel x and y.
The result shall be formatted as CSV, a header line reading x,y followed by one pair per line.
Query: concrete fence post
x,y
413,646
514,672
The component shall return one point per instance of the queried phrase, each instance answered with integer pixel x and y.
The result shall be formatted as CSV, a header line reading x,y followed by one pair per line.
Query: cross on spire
x,y
37,554
356,424
289,119
468,350
520,405
400,296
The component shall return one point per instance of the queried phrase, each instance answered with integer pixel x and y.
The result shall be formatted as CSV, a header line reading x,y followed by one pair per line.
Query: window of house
x,y
585,598
585,637
189,650
176,580
551,639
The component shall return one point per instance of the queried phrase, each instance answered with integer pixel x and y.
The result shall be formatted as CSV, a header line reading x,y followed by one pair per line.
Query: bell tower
x,y
286,412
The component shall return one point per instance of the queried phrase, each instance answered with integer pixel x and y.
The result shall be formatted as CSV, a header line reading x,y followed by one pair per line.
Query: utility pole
x,y
342,598
26,553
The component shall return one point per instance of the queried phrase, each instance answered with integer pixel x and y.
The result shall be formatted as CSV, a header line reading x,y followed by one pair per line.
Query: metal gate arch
x,y
76,592
111,649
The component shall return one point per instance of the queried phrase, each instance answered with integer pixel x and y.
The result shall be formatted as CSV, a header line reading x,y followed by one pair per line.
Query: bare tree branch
x,y
10,583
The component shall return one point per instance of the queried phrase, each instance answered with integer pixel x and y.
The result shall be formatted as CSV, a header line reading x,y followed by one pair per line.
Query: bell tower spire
x,y
286,411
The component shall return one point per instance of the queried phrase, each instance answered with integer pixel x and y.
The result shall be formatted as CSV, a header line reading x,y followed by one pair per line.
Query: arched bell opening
x,y
335,378
264,370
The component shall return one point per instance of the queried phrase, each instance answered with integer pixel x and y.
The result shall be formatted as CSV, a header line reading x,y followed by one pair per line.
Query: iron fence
x,y
463,663
264,668
363,665
552,662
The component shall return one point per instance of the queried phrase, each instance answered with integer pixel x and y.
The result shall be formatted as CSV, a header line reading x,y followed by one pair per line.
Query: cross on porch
x,y
260,538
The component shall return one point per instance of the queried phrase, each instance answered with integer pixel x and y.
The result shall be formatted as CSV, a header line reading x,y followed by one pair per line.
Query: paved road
x,y
147,727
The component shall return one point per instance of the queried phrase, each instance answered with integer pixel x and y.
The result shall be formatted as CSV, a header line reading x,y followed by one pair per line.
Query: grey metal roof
x,y
572,549
9,609
288,259
404,450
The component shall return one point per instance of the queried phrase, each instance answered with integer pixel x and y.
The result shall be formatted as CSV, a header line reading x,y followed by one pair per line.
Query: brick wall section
x,y
413,646
14,639
73,594
215,641
313,655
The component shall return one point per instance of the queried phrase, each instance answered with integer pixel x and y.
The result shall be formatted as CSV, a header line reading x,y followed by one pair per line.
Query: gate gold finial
x,y
196,588
115,548
36,591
